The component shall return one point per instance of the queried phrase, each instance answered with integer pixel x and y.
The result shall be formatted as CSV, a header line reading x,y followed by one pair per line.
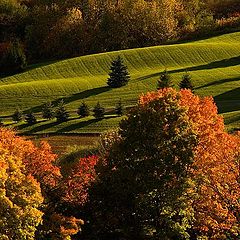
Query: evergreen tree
x,y
83,110
119,75
164,81
61,113
119,108
17,116
99,111
30,118
47,111
186,82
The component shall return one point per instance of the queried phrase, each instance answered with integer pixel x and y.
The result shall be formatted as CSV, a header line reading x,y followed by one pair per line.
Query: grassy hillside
x,y
213,63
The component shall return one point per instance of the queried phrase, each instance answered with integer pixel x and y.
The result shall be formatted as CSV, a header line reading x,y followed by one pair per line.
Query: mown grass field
x,y
213,63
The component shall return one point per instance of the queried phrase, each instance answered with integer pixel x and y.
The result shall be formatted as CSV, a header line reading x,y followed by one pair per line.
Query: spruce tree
x,y
30,118
119,108
119,75
17,116
47,111
164,81
98,111
61,113
186,82
83,110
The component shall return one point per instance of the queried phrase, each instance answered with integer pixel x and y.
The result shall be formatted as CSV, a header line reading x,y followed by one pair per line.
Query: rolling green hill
x,y
213,63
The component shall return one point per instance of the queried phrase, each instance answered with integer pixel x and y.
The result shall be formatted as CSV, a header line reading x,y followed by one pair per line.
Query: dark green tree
x,y
47,111
143,177
119,75
17,116
61,113
164,81
186,82
30,118
83,110
98,111
119,108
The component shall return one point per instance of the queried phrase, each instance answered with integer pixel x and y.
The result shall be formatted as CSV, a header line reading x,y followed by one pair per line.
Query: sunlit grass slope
x,y
213,63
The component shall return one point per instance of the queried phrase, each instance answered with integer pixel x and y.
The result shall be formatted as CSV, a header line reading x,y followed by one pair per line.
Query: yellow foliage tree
x,y
20,198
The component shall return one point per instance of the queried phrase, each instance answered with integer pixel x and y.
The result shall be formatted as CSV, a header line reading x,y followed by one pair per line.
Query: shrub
x,y
17,116
61,113
119,75
47,111
83,110
98,111
30,118
164,81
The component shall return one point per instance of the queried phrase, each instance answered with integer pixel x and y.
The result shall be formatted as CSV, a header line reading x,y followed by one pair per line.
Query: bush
x,y
186,82
61,113
17,116
83,110
13,59
119,108
47,111
30,118
164,81
98,111
119,75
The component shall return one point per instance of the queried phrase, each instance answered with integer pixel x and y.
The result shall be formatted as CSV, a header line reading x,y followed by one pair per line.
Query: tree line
x,y
58,29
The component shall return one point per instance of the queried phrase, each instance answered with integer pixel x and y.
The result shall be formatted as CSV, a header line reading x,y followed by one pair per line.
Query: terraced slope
x,y
213,63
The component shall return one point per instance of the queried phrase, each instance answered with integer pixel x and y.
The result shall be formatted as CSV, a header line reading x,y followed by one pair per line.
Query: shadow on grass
x,y
82,124
78,96
217,64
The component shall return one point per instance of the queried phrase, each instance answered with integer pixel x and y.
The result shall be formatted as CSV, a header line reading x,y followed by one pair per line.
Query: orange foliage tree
x,y
215,169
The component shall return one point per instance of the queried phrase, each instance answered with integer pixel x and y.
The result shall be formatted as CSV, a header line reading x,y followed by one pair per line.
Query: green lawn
x,y
213,63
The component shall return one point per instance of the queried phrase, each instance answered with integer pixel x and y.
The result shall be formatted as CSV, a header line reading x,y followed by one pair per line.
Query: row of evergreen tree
x,y
62,115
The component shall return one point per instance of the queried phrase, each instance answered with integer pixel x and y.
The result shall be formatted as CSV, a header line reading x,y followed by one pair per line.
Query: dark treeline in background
x,y
53,29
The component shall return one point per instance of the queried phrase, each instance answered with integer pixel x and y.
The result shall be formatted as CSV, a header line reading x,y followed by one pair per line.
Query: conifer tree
x,y
119,75
83,110
17,116
47,111
119,108
164,81
98,111
186,82
61,113
30,118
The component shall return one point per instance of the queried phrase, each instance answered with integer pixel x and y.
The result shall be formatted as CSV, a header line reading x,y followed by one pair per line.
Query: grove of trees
x,y
170,171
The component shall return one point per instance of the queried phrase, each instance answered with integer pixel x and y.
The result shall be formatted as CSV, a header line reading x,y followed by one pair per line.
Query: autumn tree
x,y
144,175
20,198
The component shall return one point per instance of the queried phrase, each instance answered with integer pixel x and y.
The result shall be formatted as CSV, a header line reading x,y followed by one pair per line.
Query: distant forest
x,y
53,29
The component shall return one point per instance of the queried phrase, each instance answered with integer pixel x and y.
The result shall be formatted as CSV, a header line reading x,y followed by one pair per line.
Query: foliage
x,y
13,58
20,198
186,82
17,116
144,175
119,108
47,111
61,113
164,81
119,75
30,118
98,111
83,110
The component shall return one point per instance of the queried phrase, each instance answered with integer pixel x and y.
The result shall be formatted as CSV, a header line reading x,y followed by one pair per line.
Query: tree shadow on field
x,y
82,124
74,97
229,62
228,101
